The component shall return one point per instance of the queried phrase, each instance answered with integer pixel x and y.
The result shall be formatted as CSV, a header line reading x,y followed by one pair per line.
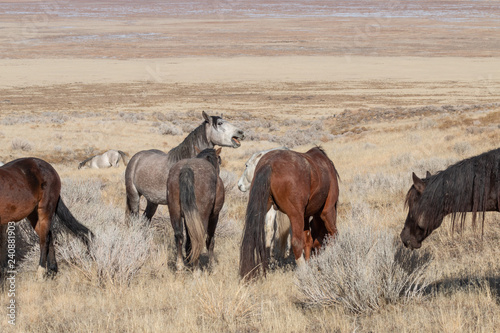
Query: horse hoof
x,y
197,272
300,261
41,273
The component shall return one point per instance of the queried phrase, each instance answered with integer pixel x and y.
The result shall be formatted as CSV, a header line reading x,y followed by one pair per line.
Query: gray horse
x,y
105,160
147,171
277,223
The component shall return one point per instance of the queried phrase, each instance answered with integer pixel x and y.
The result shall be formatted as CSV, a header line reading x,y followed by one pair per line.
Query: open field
x,y
384,90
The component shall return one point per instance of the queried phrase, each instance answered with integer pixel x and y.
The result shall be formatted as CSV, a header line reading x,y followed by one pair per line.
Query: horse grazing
x,y
471,185
147,171
277,224
105,160
30,188
195,195
302,185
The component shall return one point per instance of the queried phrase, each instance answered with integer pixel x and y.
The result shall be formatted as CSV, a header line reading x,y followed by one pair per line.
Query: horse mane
x,y
462,187
198,138
210,155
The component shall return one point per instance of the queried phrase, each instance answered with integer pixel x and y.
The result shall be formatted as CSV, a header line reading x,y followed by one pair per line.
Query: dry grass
x,y
133,287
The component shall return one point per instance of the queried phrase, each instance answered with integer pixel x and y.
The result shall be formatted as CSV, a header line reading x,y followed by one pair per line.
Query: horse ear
x,y
222,115
217,152
418,183
197,150
428,174
207,118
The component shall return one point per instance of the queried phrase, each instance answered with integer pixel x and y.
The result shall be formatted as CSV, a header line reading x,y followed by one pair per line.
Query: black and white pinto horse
x,y
105,160
277,224
147,171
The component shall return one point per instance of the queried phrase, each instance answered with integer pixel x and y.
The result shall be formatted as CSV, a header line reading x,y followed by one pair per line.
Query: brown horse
x,y
302,185
195,194
471,185
30,188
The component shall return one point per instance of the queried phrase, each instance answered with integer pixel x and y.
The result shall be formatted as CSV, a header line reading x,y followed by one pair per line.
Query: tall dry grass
x,y
131,284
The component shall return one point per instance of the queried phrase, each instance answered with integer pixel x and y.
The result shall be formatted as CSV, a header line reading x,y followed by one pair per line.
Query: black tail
x,y
191,213
71,223
124,157
253,252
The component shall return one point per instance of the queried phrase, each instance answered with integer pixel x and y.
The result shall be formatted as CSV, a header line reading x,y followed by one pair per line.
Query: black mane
x,y
211,156
463,187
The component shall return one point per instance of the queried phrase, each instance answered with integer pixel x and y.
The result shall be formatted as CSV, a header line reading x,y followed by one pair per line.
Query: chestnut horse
x,y
30,188
301,185
195,195
471,185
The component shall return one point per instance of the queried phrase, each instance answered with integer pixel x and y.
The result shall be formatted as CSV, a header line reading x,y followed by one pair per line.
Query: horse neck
x,y
186,149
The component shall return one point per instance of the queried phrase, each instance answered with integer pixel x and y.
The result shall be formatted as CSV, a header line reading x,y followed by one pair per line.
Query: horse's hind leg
x,y
298,242
42,230
210,242
3,250
150,210
329,216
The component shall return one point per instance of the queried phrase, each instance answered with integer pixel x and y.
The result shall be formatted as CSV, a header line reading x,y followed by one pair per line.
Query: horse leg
x,y
329,216
212,224
179,239
51,257
282,234
3,250
318,232
270,230
150,210
42,228
133,200
297,223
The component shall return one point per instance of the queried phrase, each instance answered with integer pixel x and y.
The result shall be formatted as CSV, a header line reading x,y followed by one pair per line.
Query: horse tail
x,y
253,252
85,162
282,232
124,157
192,217
72,224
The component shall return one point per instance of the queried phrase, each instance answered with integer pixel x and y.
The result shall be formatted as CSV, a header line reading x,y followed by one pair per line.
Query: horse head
x,y
246,178
418,226
222,133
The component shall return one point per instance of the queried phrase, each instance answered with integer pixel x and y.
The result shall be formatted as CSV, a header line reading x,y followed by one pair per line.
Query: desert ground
x,y
386,88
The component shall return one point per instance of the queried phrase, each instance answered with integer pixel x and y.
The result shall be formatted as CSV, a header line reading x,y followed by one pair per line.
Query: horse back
x,y
207,184
23,184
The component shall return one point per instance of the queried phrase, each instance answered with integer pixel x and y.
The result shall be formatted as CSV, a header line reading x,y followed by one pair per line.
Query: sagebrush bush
x,y
119,249
362,269
169,129
21,144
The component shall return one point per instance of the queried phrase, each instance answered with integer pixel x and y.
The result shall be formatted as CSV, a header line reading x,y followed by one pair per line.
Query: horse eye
x,y
220,123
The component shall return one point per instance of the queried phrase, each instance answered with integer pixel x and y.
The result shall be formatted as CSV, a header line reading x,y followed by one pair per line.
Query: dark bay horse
x,y
471,185
302,185
30,188
147,171
195,195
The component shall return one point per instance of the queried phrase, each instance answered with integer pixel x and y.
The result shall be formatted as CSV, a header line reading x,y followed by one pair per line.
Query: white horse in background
x,y
1,163
105,160
277,223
